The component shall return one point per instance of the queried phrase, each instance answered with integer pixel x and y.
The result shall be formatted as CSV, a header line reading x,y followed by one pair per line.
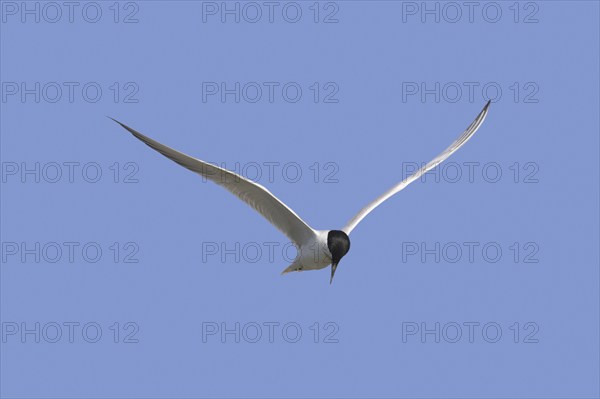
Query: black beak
x,y
333,267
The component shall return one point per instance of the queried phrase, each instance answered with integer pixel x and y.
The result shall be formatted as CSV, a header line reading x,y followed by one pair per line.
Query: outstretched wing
x,y
467,134
253,194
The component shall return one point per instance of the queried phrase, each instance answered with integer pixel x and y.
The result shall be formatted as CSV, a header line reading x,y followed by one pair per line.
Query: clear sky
x,y
125,275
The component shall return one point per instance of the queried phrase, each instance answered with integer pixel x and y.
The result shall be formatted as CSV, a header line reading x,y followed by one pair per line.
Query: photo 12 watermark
x,y
69,172
470,332
270,92
69,12
270,332
70,332
69,252
270,12
263,172
476,172
480,252
470,12
69,92
526,92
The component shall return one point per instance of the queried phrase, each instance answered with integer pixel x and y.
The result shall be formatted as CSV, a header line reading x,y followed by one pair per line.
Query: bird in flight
x,y
317,249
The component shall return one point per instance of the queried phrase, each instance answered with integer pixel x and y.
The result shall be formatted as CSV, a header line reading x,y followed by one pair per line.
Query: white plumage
x,y
316,248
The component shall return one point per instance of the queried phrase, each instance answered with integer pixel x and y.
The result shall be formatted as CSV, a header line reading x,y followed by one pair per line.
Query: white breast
x,y
314,254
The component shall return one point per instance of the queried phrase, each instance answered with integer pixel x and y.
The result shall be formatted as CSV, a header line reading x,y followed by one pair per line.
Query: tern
x,y
317,249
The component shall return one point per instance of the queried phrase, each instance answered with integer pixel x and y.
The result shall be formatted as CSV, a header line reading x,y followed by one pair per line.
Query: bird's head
x,y
338,243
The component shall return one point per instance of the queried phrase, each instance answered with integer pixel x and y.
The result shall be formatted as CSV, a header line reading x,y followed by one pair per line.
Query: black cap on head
x,y
338,243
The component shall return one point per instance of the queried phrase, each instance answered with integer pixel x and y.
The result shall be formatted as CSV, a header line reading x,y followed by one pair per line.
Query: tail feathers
x,y
294,267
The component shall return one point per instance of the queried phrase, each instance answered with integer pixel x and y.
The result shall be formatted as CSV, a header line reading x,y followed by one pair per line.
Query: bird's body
x,y
312,254
317,249
325,248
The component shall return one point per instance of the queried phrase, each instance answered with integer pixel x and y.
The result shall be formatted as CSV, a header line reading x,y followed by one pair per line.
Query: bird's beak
x,y
333,267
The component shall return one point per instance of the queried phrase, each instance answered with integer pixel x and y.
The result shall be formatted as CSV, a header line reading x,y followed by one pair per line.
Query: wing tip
x,y
116,121
480,118
130,130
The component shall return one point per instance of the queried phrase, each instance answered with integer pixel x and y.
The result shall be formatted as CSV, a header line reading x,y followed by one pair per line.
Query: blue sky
x,y
125,275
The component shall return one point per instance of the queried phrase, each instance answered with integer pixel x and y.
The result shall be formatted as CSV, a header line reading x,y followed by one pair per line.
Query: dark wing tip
x,y
130,130
114,120
484,111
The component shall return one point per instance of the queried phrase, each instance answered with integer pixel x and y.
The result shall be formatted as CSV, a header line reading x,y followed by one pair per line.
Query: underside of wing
x,y
253,194
464,137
